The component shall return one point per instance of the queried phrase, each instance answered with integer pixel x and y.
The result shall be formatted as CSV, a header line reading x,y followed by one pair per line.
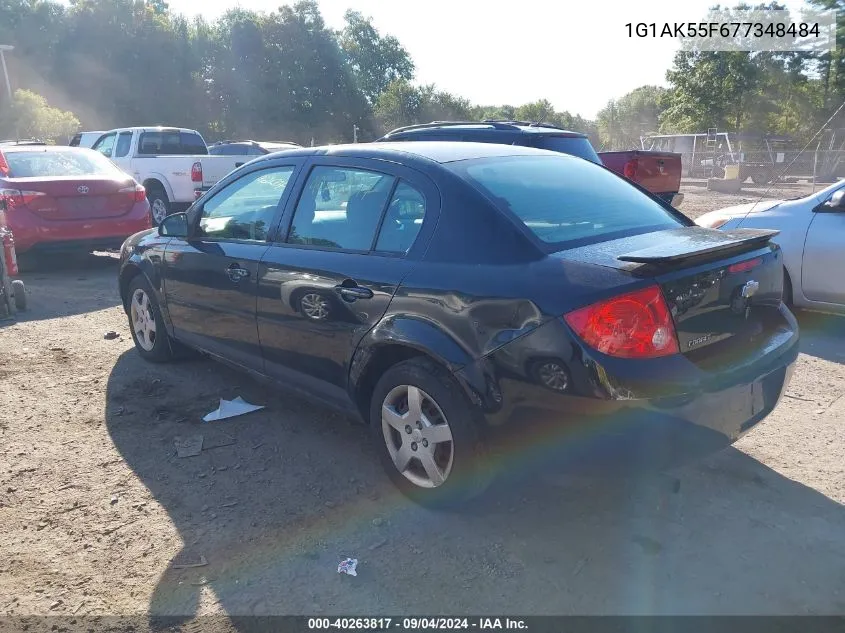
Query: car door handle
x,y
236,273
354,292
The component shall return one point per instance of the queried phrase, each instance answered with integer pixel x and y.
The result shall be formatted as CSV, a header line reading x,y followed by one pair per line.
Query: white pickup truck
x,y
172,164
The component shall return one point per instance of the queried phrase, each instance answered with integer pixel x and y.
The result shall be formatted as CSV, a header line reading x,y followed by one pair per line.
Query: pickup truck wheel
x,y
159,204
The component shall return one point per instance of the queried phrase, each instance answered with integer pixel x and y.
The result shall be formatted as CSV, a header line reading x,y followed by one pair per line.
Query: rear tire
x,y
787,289
420,417
19,290
159,204
146,323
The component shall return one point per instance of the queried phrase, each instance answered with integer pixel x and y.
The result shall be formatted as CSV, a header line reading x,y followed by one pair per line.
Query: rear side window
x,y
563,200
341,208
124,140
74,142
402,221
576,146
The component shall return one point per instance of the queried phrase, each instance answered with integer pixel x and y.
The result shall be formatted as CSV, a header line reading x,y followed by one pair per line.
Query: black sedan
x,y
452,294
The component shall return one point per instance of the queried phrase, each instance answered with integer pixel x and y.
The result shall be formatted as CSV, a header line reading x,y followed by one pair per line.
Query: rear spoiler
x,y
681,244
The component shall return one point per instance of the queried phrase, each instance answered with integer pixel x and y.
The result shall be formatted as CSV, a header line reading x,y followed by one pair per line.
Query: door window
x,y
244,210
105,145
124,140
341,208
403,220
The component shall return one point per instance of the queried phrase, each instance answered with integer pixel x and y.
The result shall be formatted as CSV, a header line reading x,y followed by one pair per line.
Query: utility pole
x,y
3,49
355,129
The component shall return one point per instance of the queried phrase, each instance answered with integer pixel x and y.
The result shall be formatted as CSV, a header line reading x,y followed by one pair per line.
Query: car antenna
x,y
785,169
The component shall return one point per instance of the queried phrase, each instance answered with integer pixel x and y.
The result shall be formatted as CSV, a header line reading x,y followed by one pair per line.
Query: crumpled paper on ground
x,y
348,566
230,409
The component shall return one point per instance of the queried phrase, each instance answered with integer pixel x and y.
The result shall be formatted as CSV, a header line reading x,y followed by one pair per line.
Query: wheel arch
x,y
397,339
132,269
157,181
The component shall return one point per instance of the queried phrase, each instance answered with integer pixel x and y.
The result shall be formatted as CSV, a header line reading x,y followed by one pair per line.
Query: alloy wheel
x,y
143,320
417,436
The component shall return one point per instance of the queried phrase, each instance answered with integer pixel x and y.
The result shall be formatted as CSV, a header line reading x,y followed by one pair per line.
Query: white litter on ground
x,y
230,409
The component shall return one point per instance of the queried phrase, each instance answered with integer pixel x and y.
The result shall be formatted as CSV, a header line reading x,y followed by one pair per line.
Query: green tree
x,y
623,121
376,61
32,117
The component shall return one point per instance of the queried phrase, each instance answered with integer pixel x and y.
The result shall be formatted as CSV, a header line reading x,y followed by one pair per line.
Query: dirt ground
x,y
99,516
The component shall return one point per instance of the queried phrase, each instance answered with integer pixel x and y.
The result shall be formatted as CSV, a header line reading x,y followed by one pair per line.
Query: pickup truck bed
x,y
658,172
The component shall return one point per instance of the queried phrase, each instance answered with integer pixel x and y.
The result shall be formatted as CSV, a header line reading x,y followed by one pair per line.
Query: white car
x,y
172,164
812,238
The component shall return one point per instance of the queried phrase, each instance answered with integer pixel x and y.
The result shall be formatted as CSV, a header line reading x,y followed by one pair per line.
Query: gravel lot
x,y
100,516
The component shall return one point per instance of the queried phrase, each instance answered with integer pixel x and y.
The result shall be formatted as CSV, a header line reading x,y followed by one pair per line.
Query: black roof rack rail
x,y
499,125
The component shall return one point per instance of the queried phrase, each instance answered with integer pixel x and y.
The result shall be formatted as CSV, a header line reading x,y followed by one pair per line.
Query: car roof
x,y
523,127
432,151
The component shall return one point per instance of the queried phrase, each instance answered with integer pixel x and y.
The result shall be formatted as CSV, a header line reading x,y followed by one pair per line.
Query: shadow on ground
x,y
64,286
822,335
277,498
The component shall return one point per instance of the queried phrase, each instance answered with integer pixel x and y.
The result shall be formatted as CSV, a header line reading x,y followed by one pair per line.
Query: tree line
x,y
285,75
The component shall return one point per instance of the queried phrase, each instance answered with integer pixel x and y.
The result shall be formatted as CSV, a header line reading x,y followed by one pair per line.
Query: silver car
x,y
812,237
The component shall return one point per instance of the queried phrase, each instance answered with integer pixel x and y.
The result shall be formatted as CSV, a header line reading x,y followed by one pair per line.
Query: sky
x,y
575,53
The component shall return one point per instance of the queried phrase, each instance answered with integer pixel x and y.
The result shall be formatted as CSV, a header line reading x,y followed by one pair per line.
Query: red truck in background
x,y
658,172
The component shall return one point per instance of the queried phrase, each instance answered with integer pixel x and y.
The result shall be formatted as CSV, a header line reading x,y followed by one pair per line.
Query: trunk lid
x,y
76,198
717,284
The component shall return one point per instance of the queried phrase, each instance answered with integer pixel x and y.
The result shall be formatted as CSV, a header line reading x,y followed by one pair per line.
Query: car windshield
x,y
52,163
563,200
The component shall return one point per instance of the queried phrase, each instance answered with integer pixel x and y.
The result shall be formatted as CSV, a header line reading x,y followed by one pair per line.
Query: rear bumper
x,y
654,415
33,233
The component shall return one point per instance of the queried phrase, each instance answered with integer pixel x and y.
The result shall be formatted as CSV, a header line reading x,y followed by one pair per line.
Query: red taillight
x,y
138,193
634,325
196,172
630,169
742,267
16,199
4,165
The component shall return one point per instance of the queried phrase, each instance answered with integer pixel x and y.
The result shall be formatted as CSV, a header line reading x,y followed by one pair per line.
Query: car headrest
x,y
364,208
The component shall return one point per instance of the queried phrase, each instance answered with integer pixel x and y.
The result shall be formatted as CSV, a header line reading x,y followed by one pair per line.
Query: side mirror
x,y
175,225
836,202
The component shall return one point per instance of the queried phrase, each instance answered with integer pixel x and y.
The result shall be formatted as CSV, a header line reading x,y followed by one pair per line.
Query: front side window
x,y
563,200
341,208
245,209
105,145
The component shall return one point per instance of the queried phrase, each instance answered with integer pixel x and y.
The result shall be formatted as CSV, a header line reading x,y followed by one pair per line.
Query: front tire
x,y
428,439
146,323
787,289
19,291
159,204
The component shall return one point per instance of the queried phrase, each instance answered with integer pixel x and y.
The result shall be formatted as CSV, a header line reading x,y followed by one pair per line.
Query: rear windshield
x,y
49,163
574,145
564,200
171,142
